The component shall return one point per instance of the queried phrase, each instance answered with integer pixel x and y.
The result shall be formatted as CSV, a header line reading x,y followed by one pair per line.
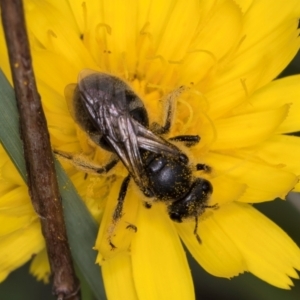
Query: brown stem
x,y
43,187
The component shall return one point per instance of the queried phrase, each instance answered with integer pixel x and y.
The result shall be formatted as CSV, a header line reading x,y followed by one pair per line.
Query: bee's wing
x,y
125,144
110,115
149,141
128,151
70,91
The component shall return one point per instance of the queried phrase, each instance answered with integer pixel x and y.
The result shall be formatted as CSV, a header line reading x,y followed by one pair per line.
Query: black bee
x,y
115,118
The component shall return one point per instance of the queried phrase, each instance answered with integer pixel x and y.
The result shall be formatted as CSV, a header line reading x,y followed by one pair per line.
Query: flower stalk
x,y
42,183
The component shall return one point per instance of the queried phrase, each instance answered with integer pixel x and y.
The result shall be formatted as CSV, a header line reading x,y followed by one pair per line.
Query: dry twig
x,y
42,183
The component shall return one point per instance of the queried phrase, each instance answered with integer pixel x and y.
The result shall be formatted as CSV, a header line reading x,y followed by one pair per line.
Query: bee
x,y
115,118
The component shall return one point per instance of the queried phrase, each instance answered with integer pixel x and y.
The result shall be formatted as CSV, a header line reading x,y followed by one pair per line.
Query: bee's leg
x,y
188,140
87,166
196,231
215,206
117,215
122,194
170,103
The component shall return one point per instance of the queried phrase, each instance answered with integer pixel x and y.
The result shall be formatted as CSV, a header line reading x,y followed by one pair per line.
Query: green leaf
x,y
81,227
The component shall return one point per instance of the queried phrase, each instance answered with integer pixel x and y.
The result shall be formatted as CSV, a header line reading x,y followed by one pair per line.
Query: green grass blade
x,y
81,227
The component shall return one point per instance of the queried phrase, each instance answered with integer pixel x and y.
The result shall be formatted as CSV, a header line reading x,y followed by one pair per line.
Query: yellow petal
x,y
158,259
77,9
291,7
114,40
6,187
253,8
279,150
9,172
4,61
118,278
230,89
63,7
226,190
248,129
264,182
12,220
206,53
267,39
57,105
15,199
283,39
29,239
59,80
256,61
40,267
274,95
106,37
170,51
176,20
48,26
268,251
217,253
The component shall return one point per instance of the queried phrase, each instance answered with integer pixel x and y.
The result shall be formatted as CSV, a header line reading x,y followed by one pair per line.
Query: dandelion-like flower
x,y
226,53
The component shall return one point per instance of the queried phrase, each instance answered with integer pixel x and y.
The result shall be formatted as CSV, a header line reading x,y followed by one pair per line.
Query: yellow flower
x,y
226,53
